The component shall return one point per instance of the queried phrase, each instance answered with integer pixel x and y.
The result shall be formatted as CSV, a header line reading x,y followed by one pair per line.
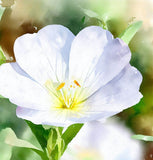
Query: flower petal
x,y
44,55
115,57
86,49
20,89
120,93
95,141
88,116
109,100
47,117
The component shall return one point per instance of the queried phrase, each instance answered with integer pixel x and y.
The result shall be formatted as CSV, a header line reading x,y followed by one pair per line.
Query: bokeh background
x,y
28,16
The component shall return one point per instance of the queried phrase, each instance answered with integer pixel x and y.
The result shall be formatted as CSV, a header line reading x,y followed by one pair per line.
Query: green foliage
x,y
52,140
143,137
2,57
55,144
92,14
12,140
129,33
83,19
51,143
70,133
5,150
40,133
1,96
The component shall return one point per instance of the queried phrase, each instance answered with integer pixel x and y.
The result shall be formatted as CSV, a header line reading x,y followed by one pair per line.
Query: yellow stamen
x,y
60,86
76,82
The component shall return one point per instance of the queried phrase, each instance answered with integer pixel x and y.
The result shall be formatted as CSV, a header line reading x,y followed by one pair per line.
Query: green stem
x,y
41,154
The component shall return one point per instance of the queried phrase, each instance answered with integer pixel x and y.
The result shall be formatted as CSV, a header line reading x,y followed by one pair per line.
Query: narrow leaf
x,y
143,137
12,140
129,33
40,133
70,133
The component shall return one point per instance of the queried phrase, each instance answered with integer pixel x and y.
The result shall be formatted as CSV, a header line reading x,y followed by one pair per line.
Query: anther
x,y
76,82
60,86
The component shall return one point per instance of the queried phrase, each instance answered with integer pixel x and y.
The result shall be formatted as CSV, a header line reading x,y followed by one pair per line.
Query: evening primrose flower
x,y
109,141
61,79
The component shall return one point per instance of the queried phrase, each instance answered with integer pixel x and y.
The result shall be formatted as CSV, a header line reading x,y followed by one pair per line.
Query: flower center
x,y
66,95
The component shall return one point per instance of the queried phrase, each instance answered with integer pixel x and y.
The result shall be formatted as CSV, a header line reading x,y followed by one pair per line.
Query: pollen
x,y
76,82
60,86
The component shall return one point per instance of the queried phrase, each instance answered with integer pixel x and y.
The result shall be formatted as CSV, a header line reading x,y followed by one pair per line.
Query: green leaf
x,y
143,137
129,33
12,140
40,133
1,96
5,150
91,14
2,57
70,133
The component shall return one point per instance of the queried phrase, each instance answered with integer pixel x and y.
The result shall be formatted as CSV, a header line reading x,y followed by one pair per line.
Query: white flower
x,y
61,79
110,141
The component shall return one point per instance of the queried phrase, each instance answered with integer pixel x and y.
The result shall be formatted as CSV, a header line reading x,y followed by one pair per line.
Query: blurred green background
x,y
28,16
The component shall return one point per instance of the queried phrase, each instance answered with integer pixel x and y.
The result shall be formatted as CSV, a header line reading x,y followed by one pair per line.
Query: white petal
x,y
22,90
88,116
19,70
86,49
44,55
48,117
96,140
120,93
57,117
115,57
56,42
